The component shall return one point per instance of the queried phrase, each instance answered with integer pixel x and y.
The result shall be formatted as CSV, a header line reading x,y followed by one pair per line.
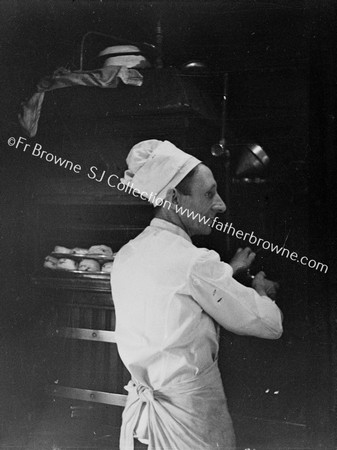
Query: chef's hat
x,y
155,166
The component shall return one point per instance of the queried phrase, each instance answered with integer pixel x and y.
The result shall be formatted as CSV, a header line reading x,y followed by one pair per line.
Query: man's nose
x,y
219,205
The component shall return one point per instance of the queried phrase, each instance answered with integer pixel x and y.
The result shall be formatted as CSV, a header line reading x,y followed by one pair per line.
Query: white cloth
x,y
166,293
156,166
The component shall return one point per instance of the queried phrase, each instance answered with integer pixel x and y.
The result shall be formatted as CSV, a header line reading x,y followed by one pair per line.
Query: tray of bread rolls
x,y
97,259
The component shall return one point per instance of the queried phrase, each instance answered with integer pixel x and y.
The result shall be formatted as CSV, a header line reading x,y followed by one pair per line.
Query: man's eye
x,y
210,194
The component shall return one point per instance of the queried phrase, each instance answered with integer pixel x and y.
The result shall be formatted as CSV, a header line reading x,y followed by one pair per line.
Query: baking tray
x,y
75,273
78,257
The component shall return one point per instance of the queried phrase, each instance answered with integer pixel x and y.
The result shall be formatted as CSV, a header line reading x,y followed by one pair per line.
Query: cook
x,y
170,298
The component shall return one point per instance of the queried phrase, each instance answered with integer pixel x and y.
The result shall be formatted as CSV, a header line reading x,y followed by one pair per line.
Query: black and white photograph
x,y
168,225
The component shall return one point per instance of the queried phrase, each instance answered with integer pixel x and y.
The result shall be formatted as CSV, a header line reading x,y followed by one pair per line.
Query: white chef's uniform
x,y
167,294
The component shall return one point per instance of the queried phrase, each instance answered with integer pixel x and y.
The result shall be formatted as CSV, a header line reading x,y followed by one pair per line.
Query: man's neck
x,y
170,216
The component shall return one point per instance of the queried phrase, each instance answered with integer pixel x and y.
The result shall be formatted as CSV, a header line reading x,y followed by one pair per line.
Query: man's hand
x,y
263,286
242,260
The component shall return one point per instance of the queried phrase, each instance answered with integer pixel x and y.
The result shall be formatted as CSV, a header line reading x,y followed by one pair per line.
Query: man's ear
x,y
173,196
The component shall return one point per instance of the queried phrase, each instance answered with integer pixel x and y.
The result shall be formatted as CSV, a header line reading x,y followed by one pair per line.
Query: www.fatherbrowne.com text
x,y
253,240
226,228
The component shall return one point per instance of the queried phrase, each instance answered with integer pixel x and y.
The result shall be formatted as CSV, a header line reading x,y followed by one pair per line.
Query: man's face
x,y
203,204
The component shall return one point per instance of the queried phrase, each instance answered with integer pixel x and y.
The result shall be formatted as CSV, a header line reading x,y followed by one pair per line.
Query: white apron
x,y
190,415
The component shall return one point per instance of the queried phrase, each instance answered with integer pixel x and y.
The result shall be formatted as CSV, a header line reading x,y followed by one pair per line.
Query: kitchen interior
x,y
246,86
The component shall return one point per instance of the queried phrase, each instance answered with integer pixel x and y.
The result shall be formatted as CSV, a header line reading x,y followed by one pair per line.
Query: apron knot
x,y
145,394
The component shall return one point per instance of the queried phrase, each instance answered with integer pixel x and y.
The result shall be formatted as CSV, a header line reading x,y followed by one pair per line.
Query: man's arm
x,y
237,308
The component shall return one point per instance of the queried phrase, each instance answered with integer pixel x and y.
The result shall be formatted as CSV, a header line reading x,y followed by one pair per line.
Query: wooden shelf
x,y
70,281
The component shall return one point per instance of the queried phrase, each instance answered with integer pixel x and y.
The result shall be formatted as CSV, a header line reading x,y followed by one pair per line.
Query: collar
x,y
169,226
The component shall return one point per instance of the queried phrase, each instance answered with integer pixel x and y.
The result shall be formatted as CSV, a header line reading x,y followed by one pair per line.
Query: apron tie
x,y
145,394
191,414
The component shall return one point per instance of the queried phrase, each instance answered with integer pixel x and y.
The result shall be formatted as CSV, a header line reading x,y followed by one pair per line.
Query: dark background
x,y
280,57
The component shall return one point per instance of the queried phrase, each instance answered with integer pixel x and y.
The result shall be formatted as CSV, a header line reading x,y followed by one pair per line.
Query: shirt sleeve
x,y
235,307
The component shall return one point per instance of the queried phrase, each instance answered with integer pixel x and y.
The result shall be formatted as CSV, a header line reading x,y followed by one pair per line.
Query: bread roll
x,y
79,251
89,265
66,264
60,249
50,262
100,250
107,266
